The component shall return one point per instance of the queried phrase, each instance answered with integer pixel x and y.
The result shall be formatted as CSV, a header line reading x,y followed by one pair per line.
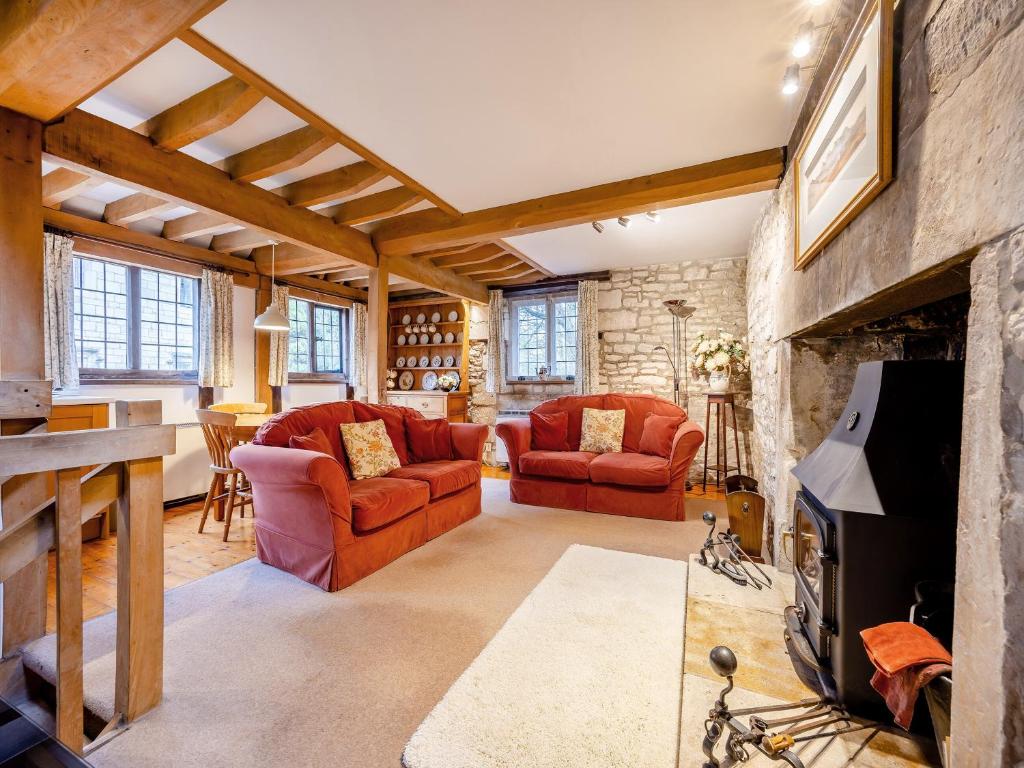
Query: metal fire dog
x,y
773,738
733,563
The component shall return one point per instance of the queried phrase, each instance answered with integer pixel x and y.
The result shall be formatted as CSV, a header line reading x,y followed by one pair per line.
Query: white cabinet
x,y
433,405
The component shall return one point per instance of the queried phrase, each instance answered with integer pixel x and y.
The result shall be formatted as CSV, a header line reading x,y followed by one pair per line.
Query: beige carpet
x,y
263,669
587,671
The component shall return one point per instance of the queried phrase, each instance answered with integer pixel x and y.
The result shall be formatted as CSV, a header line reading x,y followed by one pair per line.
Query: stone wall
x,y
957,192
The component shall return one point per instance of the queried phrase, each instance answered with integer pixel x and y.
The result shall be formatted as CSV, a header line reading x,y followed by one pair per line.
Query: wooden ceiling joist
x,y
292,259
517,279
194,225
438,252
423,230
201,114
504,274
332,185
62,184
512,250
277,155
496,264
92,144
476,255
56,54
373,207
134,208
239,240
341,275
435,278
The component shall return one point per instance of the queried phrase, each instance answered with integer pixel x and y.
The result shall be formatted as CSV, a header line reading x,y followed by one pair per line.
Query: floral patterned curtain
x,y
358,347
216,330
587,345
495,380
279,342
60,358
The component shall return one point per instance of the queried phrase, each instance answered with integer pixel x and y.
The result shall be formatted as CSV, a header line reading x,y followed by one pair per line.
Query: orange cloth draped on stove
x,y
906,658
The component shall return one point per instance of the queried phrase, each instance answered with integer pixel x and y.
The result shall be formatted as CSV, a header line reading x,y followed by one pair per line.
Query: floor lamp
x,y
680,311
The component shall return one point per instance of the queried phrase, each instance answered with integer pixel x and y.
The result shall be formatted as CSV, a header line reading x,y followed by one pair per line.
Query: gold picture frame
x,y
844,159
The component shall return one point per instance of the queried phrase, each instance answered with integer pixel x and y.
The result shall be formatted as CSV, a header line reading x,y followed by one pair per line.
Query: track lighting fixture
x,y
597,225
653,216
804,38
791,80
624,222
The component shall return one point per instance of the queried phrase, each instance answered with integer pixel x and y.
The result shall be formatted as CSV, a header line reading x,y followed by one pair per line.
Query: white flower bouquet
x,y
724,353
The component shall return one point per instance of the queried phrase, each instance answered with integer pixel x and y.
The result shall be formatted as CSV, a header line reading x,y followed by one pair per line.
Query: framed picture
x,y
845,157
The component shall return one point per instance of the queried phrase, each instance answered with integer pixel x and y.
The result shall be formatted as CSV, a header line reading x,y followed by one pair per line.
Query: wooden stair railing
x,y
131,473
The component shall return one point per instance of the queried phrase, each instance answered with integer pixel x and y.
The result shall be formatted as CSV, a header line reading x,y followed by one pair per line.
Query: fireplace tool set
x,y
733,563
798,722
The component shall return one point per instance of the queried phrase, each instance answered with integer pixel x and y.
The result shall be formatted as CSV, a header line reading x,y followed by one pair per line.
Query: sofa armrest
x,y
687,441
302,494
517,435
468,441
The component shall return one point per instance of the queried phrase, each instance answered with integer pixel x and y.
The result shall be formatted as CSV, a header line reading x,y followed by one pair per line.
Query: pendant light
x,y
271,318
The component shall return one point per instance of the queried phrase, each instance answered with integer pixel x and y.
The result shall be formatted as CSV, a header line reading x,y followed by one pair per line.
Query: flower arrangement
x,y
721,354
447,382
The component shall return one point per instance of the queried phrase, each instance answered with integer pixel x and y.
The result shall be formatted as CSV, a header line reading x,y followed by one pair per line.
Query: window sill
x,y
148,378
317,378
540,382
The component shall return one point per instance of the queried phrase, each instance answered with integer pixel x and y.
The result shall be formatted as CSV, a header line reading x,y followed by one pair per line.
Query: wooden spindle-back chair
x,y
218,431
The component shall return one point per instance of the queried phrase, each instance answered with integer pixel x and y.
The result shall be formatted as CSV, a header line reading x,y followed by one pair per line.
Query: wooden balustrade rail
x,y
130,473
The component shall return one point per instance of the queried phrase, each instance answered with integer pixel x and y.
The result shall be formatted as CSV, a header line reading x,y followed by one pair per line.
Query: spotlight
x,y
653,216
804,37
624,222
598,226
791,80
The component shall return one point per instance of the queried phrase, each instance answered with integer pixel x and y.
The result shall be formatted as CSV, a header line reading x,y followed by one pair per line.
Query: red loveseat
x,y
314,521
627,483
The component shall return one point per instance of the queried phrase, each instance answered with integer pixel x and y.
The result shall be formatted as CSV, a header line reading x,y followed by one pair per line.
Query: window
x,y
317,339
542,332
134,323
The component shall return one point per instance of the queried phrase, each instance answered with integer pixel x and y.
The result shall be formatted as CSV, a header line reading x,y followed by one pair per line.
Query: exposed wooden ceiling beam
x,y
277,155
731,176
341,275
92,144
240,240
56,54
373,207
519,279
292,259
509,248
235,67
499,275
436,278
334,289
194,225
135,207
438,252
332,185
61,184
496,264
476,255
201,114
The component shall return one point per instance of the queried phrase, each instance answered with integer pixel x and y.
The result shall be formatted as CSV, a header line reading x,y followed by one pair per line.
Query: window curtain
x,y
216,329
587,344
359,347
60,359
279,342
495,380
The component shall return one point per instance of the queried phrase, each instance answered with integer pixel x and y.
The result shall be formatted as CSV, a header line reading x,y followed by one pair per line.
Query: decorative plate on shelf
x,y
424,362
458,337
406,319
421,318
449,361
429,380
457,377
449,338
435,361
436,338
424,339
400,362
401,339
453,316
436,317
405,381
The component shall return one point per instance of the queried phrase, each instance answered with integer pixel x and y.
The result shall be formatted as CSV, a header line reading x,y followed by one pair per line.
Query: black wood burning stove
x,y
876,514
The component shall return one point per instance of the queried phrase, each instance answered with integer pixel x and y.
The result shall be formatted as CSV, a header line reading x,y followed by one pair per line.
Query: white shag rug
x,y
586,671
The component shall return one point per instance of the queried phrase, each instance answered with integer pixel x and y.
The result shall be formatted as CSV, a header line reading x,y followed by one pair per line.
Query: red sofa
x,y
314,521
627,483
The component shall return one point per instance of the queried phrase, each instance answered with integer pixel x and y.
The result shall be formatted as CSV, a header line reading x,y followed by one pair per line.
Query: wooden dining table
x,y
246,425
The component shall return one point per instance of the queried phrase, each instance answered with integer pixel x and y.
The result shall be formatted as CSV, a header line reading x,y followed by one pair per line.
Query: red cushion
x,y
314,441
658,434
429,439
637,408
637,469
377,501
394,422
279,428
549,431
566,465
573,406
443,477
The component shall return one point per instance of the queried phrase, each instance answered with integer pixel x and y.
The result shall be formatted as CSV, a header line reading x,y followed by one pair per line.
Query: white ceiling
x,y
714,230
489,102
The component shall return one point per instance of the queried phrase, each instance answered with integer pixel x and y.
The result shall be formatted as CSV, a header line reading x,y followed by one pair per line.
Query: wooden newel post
x,y
138,682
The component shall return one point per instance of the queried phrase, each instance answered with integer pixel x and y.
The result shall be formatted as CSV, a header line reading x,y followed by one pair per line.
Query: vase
x,y
718,381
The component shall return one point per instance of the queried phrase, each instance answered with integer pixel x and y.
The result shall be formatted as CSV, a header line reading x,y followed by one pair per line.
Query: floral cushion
x,y
602,430
369,449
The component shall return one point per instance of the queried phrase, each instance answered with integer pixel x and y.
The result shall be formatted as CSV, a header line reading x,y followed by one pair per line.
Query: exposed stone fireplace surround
x,y
951,222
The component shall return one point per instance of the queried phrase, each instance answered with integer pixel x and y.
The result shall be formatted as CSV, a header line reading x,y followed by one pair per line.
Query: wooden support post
x,y
377,334
138,677
70,719
21,328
